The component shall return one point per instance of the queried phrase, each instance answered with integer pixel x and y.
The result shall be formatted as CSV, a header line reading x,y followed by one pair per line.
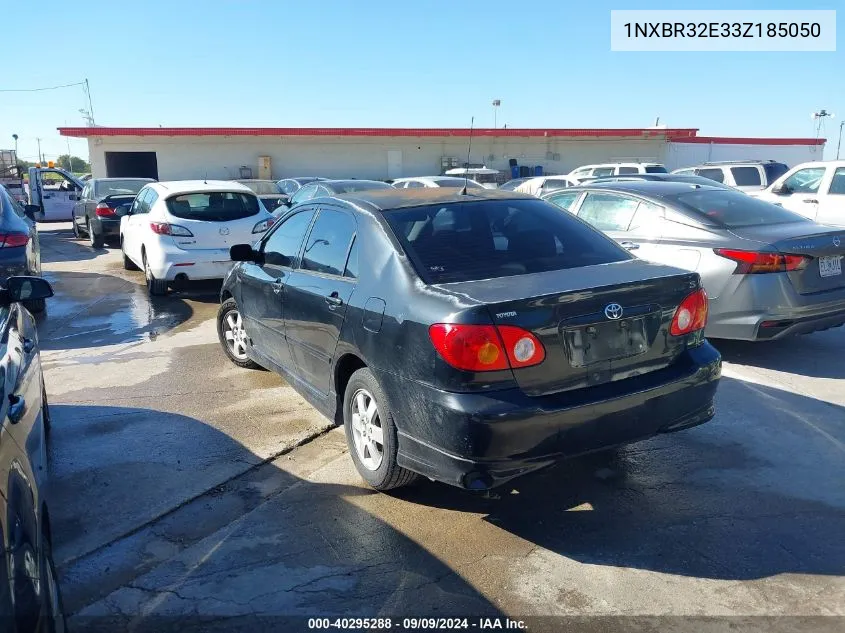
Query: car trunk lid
x,y
824,247
597,323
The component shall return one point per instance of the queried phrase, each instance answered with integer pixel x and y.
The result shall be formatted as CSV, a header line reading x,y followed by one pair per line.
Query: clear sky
x,y
391,64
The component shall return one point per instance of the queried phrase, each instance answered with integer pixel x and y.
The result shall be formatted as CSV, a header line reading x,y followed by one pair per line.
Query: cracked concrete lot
x,y
187,494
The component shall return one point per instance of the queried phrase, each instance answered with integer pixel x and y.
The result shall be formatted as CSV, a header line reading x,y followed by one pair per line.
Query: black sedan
x,y
29,593
95,214
20,252
470,337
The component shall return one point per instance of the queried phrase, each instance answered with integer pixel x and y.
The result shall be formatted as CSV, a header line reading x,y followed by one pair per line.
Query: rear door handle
x,y
334,300
811,201
631,246
16,408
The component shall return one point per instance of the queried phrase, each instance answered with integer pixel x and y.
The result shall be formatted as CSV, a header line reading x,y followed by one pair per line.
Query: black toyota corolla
x,y
468,336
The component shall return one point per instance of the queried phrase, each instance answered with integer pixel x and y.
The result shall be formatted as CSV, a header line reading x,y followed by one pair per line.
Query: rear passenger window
x,y
564,200
713,174
553,184
598,172
628,170
746,176
607,211
647,220
328,244
837,185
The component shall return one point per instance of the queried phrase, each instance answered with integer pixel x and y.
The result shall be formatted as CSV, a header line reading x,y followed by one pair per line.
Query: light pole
x,y
820,117
496,104
839,142
15,136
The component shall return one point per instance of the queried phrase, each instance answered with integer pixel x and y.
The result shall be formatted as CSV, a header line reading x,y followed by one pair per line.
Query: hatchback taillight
x,y
163,228
691,315
11,240
752,263
102,210
486,347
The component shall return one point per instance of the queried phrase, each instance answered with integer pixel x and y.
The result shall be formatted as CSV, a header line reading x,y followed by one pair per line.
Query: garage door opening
x,y
131,165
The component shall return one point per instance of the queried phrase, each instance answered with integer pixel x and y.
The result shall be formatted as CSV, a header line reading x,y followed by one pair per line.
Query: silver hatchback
x,y
768,272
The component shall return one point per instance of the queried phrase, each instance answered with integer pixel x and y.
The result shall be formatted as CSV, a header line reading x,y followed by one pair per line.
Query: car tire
x,y
232,336
128,264
96,241
36,306
155,287
52,610
365,424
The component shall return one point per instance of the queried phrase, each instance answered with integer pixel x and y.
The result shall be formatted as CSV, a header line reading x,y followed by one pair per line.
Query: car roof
x,y
351,181
173,187
656,188
388,199
254,180
123,179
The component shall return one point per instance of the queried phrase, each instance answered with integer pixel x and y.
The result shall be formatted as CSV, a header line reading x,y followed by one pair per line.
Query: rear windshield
x,y
217,206
457,182
655,169
774,171
497,238
734,209
261,187
120,187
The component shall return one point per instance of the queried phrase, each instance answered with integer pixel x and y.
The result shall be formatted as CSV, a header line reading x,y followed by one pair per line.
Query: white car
x,y
617,169
541,185
435,181
815,190
181,231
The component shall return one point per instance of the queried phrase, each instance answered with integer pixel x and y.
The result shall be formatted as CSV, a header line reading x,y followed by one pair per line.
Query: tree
x,y
73,163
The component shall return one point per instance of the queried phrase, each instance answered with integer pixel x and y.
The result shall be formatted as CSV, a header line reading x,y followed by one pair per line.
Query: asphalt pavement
x,y
186,491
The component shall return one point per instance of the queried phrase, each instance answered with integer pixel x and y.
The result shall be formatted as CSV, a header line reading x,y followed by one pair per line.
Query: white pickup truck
x,y
54,202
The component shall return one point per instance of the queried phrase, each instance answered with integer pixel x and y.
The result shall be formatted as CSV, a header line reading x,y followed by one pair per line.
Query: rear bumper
x,y
482,440
105,226
171,263
751,301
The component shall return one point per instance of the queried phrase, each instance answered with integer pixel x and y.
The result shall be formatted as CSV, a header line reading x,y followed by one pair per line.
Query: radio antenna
x,y
463,191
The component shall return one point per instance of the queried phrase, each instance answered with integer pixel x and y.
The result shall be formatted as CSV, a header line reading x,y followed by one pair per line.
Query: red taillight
x,y
691,315
10,240
750,262
486,347
104,211
161,228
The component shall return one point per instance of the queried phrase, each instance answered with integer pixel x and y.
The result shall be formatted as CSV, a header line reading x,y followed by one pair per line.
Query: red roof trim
x,y
84,132
728,140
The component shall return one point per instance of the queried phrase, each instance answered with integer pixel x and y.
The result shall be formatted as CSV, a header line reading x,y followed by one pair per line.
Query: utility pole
x,y
496,104
819,117
40,156
69,155
15,136
839,143
90,105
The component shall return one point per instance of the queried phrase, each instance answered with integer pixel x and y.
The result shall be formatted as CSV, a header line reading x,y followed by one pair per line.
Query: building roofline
x,y
669,133
733,140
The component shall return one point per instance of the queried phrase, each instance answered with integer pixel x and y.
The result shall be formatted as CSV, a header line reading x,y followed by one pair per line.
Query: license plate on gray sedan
x,y
830,266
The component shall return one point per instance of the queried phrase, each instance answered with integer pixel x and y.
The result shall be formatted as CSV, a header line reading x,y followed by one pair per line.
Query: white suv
x,y
747,175
617,169
815,190
181,231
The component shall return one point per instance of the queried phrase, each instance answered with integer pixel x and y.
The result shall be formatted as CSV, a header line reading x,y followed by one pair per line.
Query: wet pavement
x,y
179,492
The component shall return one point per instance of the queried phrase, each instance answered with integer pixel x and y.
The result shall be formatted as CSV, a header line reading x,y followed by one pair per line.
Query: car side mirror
x,y
29,210
244,253
27,289
780,189
123,209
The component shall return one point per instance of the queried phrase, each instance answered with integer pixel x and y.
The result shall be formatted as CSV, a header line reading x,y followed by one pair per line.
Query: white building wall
x,y
185,157
689,154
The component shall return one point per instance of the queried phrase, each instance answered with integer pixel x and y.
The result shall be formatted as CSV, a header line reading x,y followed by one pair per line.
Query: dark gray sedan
x,y
20,253
768,272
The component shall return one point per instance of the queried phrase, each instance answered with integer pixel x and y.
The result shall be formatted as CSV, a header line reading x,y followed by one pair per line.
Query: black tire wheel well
x,y
347,365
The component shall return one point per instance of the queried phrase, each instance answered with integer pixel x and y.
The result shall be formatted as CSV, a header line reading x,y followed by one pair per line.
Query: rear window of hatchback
x,y
216,206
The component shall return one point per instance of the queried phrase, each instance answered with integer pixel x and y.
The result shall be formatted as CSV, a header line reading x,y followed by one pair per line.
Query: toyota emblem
x,y
836,241
613,311
224,231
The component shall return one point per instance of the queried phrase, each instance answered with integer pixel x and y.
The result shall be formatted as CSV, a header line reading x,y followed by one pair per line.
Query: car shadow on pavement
x,y
163,522
818,355
62,246
91,310
754,493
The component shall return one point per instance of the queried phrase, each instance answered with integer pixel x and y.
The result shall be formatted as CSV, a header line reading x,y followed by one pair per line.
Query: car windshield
x,y
457,182
261,187
119,187
497,238
734,209
358,185
217,206
655,169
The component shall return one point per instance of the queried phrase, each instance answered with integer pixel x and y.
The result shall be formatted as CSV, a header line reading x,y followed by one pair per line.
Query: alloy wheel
x,y
235,335
367,430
